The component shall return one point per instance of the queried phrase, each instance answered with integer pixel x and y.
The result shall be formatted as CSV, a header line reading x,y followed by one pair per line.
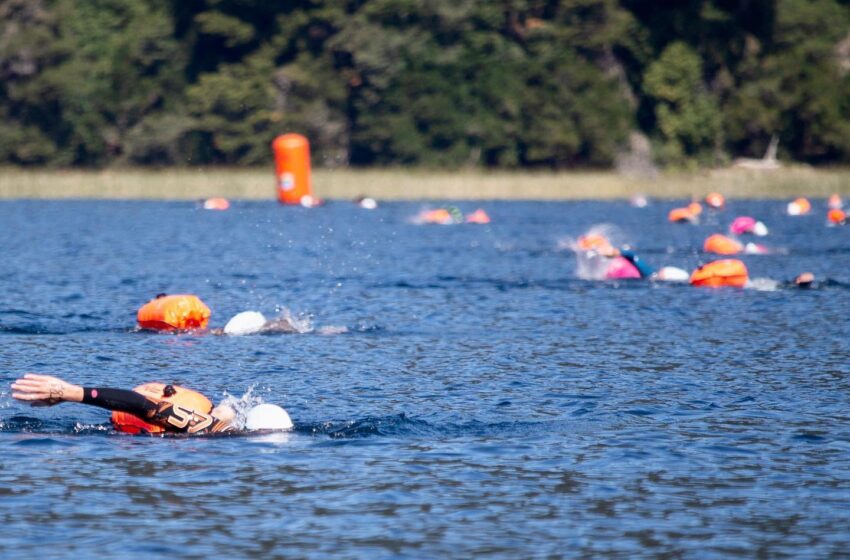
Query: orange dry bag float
x,y
715,200
175,312
722,245
682,215
187,398
836,216
292,169
726,272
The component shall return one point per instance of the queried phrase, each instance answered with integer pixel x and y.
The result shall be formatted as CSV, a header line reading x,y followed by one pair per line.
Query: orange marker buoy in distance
x,y
186,398
837,216
722,245
292,169
726,272
216,204
715,200
174,312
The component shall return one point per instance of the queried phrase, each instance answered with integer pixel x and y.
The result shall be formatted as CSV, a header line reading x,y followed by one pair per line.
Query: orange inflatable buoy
x,y
187,398
726,272
836,216
292,169
722,245
174,312
681,215
799,206
695,208
478,217
715,200
216,204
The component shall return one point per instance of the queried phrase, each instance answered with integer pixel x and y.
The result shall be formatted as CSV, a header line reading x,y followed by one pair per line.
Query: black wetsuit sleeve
x,y
120,399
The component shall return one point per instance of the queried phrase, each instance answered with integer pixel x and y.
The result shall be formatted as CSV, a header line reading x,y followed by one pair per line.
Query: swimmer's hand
x,y
45,390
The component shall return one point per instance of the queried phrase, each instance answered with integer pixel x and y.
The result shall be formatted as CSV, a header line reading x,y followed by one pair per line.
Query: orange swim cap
x,y
695,208
159,392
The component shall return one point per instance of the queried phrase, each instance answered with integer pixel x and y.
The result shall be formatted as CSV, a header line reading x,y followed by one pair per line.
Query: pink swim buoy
x,y
742,224
620,269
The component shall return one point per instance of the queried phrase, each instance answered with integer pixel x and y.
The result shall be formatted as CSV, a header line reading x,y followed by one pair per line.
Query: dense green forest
x,y
451,83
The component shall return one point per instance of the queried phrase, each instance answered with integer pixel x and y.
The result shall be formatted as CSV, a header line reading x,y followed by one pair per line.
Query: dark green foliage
x,y
449,83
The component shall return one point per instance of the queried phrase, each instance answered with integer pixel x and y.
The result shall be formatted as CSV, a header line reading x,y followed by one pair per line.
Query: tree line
x,y
450,83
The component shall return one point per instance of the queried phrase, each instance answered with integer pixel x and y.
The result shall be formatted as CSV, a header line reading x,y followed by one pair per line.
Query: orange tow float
x,y
715,200
799,206
687,214
836,216
726,272
216,203
174,312
186,398
722,245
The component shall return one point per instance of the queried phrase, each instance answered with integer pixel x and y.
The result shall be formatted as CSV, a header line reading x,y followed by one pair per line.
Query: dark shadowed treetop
x,y
449,83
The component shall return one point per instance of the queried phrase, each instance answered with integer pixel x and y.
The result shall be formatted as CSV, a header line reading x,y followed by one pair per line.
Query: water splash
x,y
590,264
286,321
241,405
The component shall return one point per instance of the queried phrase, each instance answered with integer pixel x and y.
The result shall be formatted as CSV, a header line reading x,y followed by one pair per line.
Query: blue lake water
x,y
482,401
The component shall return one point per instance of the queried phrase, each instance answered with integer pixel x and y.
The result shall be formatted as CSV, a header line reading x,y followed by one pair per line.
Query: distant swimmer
x,y
366,202
598,259
254,322
804,280
152,408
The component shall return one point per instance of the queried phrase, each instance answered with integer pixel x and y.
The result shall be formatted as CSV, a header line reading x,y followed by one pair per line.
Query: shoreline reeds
x,y
415,184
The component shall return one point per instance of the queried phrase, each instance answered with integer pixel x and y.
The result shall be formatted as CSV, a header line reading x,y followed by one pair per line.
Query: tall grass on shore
x,y
398,184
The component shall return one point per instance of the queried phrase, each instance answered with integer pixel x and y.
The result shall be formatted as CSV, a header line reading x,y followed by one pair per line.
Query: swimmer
x,y
643,269
46,390
254,322
804,280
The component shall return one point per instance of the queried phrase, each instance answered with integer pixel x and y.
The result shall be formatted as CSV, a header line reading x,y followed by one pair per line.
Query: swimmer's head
x,y
247,322
267,417
805,279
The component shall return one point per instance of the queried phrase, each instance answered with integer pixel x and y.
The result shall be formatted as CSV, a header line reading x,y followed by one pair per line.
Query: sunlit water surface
x,y
481,401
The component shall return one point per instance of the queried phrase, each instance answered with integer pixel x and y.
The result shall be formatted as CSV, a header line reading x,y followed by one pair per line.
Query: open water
x,y
482,401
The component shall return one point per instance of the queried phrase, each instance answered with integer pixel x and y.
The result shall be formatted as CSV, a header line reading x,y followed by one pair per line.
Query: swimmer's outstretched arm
x,y
46,390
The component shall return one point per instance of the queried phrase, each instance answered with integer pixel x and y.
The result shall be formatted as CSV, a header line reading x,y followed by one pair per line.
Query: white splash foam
x,y
242,405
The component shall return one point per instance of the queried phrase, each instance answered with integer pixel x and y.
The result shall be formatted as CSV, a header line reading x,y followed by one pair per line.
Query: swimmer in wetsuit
x,y
641,266
171,417
46,390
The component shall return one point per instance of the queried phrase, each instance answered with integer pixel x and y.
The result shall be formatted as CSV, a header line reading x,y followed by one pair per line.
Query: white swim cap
x,y
247,322
760,229
673,274
267,417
